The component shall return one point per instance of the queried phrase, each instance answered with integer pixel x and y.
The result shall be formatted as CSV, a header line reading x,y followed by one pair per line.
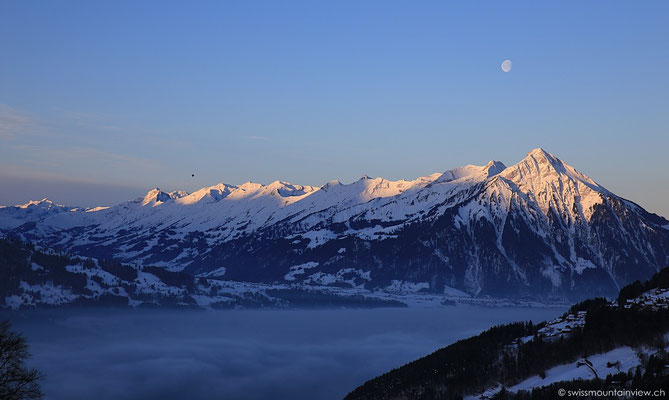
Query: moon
x,y
506,65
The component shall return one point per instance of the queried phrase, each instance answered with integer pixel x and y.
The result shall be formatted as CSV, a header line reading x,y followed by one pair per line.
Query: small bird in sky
x,y
192,175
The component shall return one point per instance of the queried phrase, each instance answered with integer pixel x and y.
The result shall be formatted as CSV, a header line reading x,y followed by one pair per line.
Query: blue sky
x,y
100,101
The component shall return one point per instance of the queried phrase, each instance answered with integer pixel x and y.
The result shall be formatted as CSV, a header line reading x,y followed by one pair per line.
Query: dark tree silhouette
x,y
17,382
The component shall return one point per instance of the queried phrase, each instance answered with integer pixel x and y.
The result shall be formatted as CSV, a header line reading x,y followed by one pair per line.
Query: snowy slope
x,y
622,359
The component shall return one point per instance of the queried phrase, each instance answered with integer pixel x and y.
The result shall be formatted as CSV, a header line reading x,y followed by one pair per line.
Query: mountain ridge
x,y
536,228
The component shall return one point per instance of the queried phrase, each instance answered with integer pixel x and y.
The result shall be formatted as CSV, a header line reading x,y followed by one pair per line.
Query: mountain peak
x,y
555,184
44,203
538,151
155,196
331,184
473,172
286,189
209,194
494,167
250,186
542,156
540,163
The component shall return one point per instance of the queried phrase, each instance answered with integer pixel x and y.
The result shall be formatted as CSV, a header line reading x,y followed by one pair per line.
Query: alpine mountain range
x,y
537,229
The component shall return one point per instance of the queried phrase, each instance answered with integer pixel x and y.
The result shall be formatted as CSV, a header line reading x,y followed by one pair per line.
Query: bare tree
x,y
17,382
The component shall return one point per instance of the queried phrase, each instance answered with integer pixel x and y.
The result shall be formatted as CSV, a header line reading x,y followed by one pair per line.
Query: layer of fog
x,y
278,354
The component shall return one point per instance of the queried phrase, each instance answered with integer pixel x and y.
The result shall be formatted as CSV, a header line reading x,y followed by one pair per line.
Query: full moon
x,y
506,65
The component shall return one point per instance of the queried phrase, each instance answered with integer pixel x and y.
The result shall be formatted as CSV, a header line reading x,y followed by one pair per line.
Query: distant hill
x,y
31,278
538,229
597,344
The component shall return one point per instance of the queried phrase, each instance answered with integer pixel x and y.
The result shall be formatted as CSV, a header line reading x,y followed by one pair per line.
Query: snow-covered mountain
x,y
538,228
14,216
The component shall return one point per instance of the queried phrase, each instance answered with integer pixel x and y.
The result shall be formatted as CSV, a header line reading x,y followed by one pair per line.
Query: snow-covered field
x,y
622,359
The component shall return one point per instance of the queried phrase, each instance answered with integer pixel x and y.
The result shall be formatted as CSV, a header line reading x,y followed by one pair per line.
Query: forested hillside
x,y
30,277
486,365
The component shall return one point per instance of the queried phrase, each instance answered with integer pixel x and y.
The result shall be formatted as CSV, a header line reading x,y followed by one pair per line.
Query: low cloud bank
x,y
293,354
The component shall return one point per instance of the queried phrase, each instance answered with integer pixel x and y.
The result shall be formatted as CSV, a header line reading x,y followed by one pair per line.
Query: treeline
x,y
635,289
